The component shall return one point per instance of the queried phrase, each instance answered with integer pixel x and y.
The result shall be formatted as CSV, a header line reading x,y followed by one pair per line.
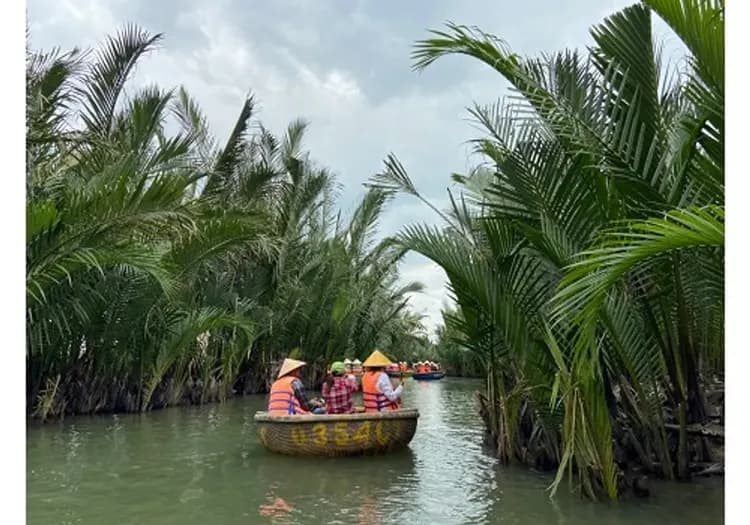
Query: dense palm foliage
x,y
451,350
162,267
586,253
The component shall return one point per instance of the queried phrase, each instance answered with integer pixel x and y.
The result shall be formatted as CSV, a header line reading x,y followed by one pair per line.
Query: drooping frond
x,y
587,282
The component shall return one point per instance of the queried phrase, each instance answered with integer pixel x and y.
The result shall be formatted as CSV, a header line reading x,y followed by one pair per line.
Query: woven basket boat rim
x,y
406,413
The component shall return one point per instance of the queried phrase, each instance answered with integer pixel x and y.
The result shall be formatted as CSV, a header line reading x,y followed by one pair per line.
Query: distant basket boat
x,y
337,434
428,376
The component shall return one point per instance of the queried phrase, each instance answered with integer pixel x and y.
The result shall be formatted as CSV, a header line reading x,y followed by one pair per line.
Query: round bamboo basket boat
x,y
337,434
429,376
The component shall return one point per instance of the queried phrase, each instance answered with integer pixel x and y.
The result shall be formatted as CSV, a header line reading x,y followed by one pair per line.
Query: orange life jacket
x,y
281,400
373,399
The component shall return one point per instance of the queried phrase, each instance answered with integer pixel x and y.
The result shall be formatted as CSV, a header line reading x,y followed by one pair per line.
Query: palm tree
x,y
163,268
570,249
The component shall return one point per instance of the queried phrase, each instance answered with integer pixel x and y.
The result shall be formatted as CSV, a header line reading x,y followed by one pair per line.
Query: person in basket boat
x,y
288,396
393,368
337,390
377,392
393,374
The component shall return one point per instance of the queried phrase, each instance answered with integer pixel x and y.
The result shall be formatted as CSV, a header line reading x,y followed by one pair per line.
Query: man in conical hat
x,y
287,396
377,392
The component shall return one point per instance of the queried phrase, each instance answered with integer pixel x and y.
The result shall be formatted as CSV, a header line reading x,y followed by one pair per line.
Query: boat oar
x,y
402,385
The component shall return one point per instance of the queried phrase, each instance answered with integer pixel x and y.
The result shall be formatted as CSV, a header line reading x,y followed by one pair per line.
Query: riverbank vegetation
x,y
586,253
164,267
450,350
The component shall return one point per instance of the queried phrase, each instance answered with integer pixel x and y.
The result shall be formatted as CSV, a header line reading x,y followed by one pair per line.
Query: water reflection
x,y
338,488
451,485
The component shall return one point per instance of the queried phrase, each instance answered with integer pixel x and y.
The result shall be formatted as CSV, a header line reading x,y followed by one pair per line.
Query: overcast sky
x,y
344,66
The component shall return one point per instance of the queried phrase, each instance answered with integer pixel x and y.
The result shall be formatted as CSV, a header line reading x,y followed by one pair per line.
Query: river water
x,y
204,465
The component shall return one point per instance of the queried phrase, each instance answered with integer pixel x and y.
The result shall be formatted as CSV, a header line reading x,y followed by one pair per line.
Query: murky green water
x,y
204,465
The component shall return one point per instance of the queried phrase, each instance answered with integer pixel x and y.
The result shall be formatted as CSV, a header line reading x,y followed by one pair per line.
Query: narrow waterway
x,y
204,465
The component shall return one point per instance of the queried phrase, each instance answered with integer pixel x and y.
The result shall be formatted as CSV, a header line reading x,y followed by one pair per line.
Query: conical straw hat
x,y
347,361
377,359
289,365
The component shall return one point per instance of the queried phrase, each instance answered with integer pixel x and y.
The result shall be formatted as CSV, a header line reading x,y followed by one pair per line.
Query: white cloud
x,y
91,13
298,34
342,84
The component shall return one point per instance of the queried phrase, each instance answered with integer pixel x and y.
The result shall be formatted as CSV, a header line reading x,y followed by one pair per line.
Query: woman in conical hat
x,y
287,396
377,392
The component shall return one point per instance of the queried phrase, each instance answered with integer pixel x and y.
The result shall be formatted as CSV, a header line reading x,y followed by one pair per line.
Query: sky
x,y
344,66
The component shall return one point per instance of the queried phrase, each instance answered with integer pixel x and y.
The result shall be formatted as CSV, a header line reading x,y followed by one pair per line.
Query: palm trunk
x,y
696,409
682,451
